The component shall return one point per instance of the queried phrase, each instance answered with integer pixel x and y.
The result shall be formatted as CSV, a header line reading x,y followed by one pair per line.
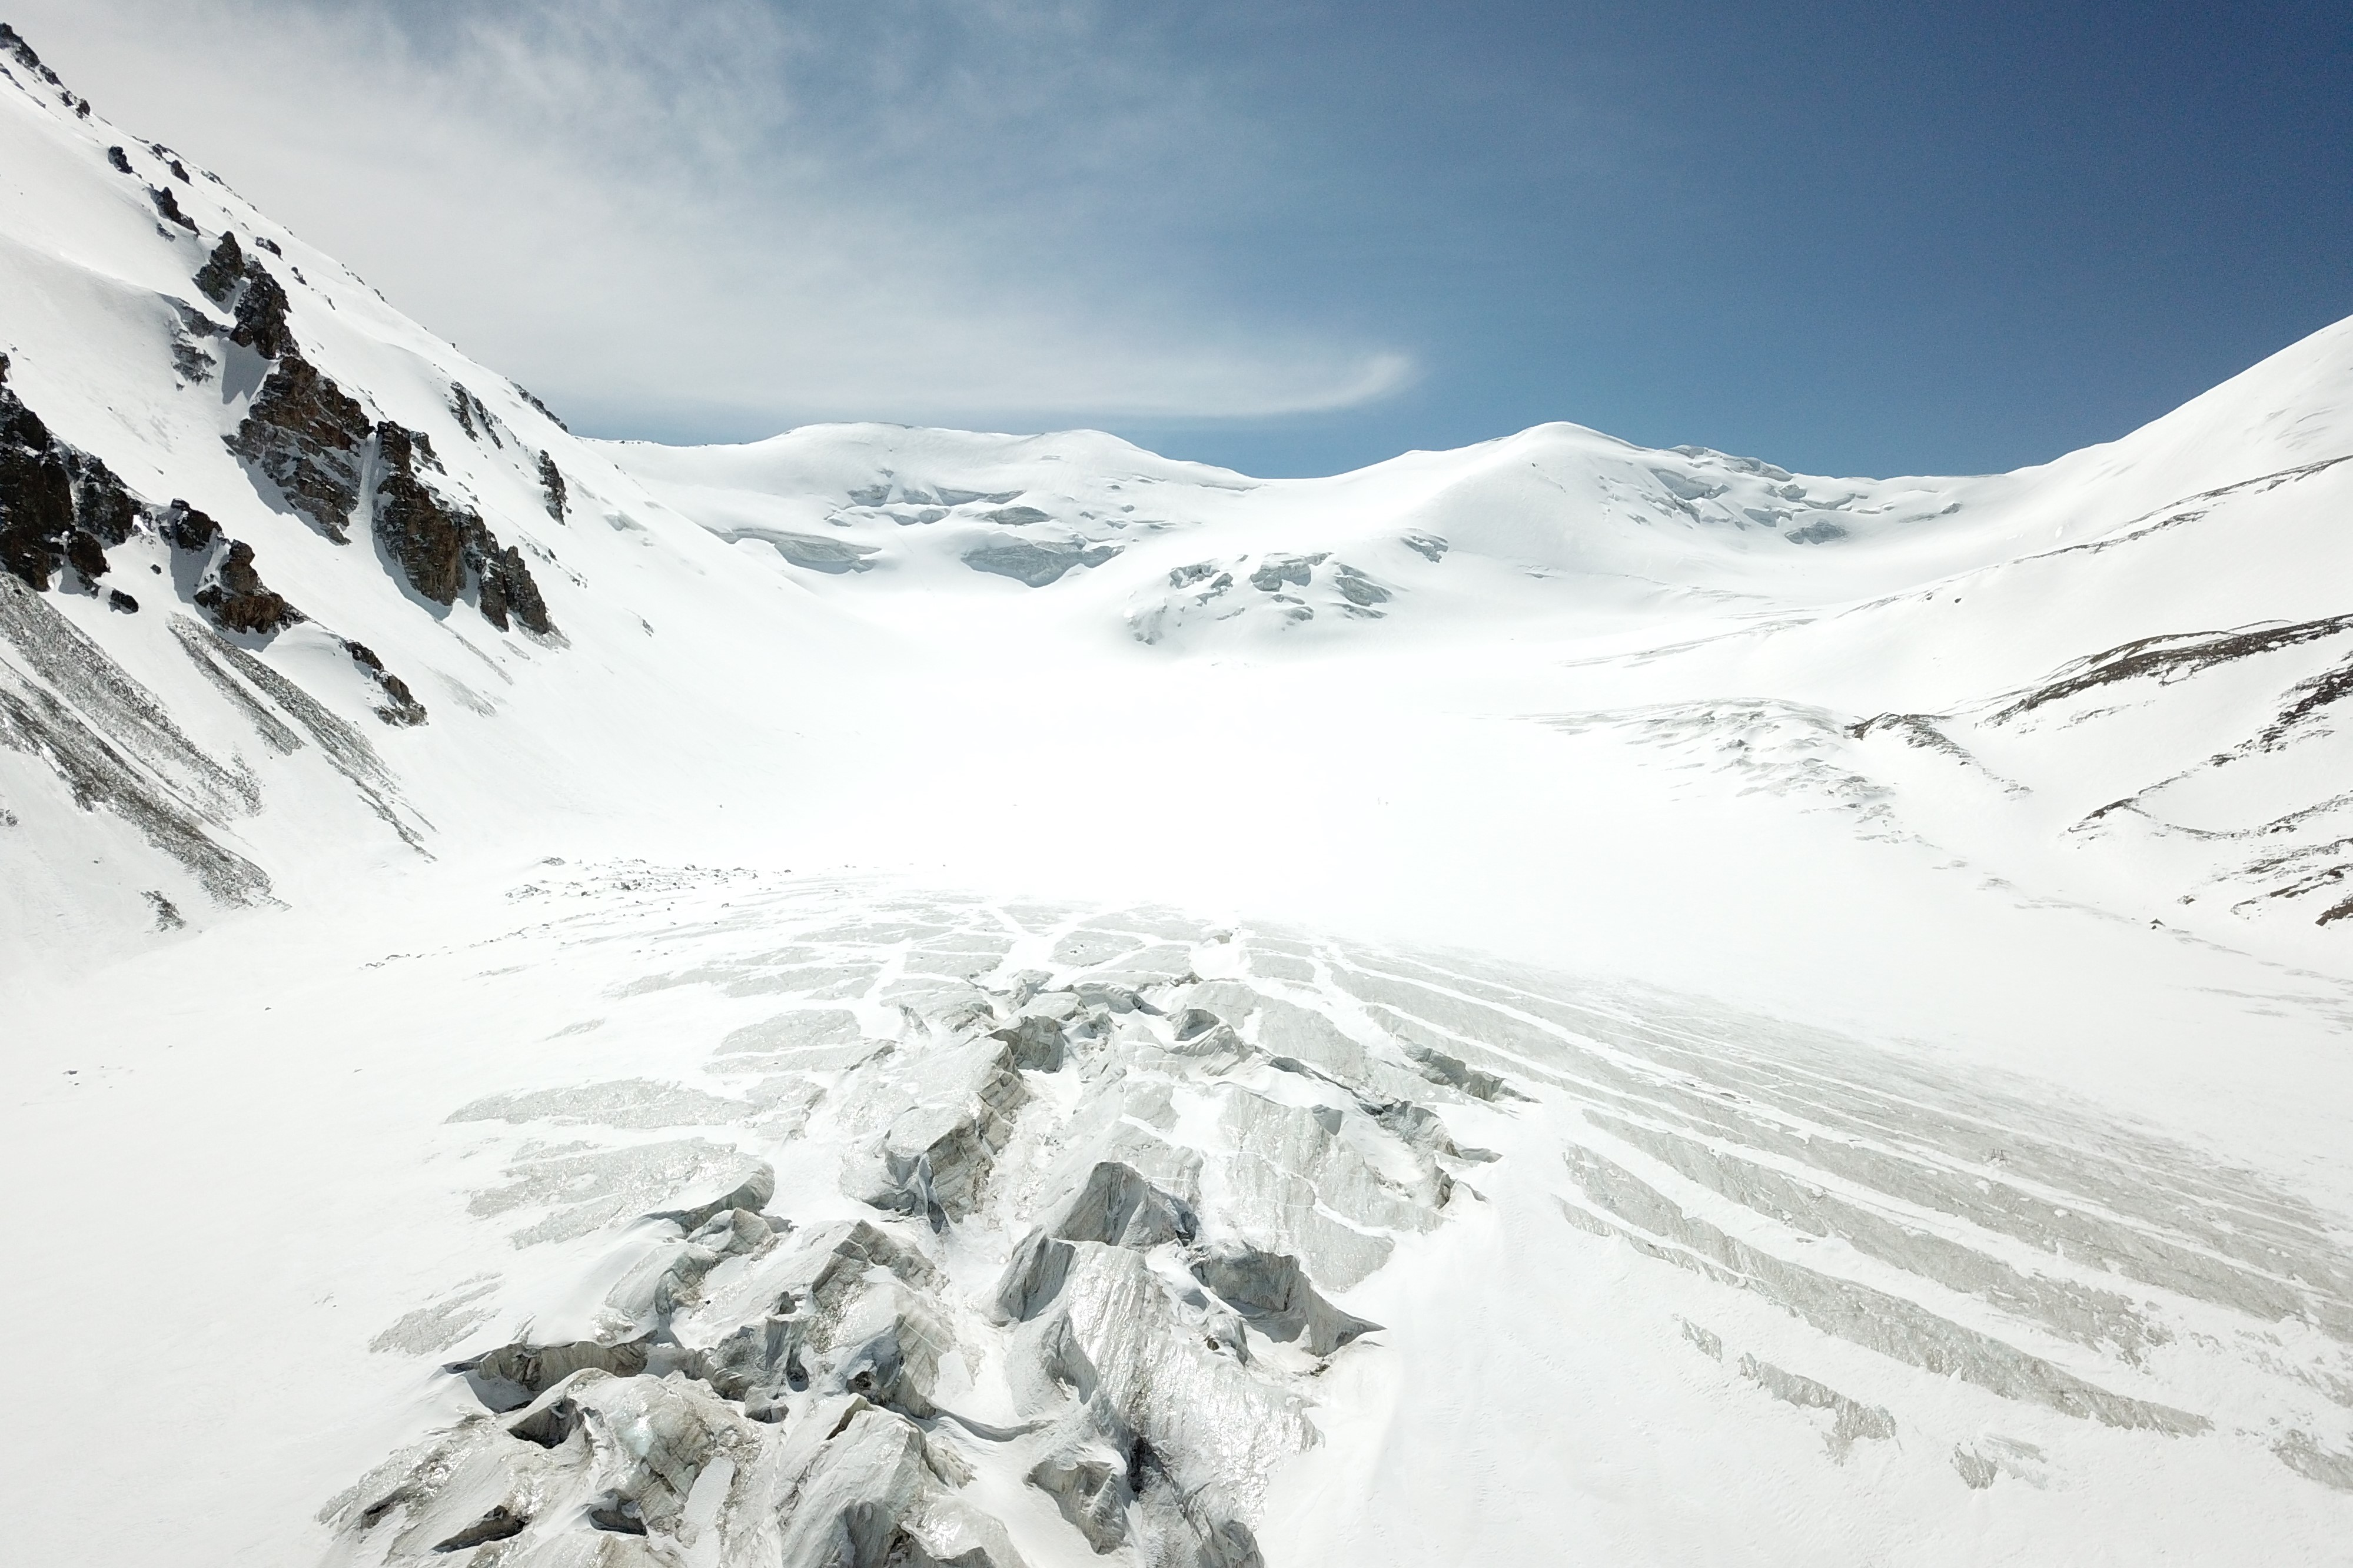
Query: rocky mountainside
x,y
261,534
896,997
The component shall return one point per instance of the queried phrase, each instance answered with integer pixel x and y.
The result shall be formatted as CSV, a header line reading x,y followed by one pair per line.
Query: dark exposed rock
x,y
2309,697
228,588
120,159
2171,657
60,506
473,416
169,206
57,506
183,527
168,914
193,364
542,407
14,45
86,555
507,587
400,707
117,599
551,479
437,545
237,598
268,244
425,538
304,433
261,316
179,171
220,276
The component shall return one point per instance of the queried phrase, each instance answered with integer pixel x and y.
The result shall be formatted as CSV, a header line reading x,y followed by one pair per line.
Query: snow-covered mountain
x,y
907,996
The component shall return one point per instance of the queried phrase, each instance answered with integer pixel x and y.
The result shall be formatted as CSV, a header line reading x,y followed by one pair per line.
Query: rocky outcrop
x,y
551,479
227,587
168,205
13,46
440,547
398,706
261,311
549,413
425,538
473,416
506,586
303,433
223,272
237,598
59,506
313,440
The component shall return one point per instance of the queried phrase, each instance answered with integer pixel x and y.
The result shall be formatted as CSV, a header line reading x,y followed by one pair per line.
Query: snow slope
x,y
912,996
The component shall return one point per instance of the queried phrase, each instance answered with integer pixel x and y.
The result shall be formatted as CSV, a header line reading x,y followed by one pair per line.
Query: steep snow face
x,y
291,589
528,1190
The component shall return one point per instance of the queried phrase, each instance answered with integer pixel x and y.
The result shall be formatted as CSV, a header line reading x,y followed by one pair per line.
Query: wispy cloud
x,y
733,213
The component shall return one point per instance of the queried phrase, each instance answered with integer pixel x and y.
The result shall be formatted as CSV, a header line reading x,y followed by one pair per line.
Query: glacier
x,y
906,996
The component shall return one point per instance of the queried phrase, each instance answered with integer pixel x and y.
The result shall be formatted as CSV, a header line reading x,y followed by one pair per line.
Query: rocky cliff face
x,y
442,549
59,506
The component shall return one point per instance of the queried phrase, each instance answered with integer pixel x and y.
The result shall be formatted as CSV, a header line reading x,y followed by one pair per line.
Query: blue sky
x,y
1298,237
1872,238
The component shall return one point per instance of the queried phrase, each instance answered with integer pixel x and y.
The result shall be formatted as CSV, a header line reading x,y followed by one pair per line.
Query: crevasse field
x,y
902,996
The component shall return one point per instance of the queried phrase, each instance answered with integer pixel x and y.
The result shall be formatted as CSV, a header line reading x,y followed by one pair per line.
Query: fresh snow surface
x,y
977,999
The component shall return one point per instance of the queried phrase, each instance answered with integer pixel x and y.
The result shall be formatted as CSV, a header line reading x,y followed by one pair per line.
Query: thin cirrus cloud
x,y
721,218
